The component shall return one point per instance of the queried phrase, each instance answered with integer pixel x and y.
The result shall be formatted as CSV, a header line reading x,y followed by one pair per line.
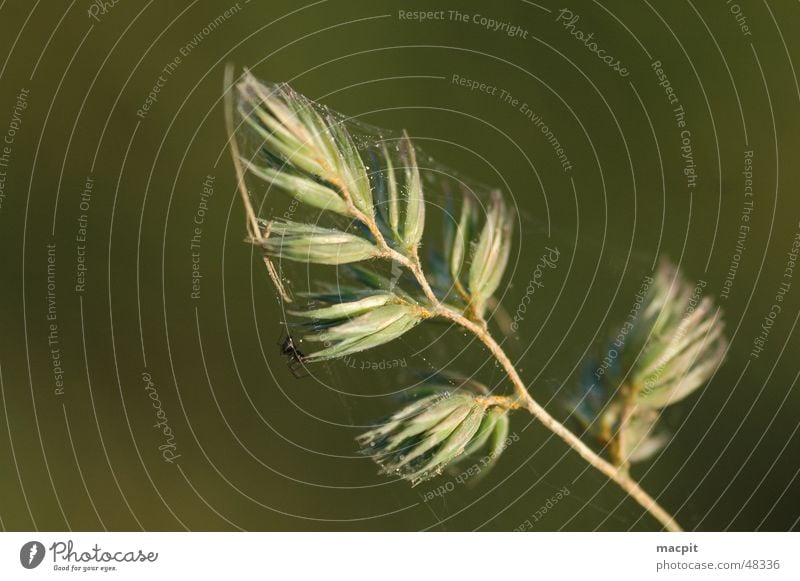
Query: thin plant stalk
x,y
254,232
615,473
474,323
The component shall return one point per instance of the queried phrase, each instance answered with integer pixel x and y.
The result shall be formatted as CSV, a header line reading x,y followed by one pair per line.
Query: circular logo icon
x,y
31,554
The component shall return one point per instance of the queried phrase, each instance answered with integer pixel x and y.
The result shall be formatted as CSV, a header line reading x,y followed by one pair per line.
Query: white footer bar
x,y
399,556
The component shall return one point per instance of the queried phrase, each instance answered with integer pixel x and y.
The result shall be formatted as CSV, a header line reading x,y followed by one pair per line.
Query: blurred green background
x,y
252,447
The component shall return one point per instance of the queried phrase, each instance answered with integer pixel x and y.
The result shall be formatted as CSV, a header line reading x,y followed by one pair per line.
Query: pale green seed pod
x,y
420,440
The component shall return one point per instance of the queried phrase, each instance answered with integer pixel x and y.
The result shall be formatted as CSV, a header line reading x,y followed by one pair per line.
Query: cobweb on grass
x,y
430,349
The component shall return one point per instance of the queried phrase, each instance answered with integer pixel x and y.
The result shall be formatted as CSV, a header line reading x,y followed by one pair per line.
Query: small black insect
x,y
295,357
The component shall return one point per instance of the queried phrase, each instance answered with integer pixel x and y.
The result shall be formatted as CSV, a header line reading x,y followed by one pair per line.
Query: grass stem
x,y
618,475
